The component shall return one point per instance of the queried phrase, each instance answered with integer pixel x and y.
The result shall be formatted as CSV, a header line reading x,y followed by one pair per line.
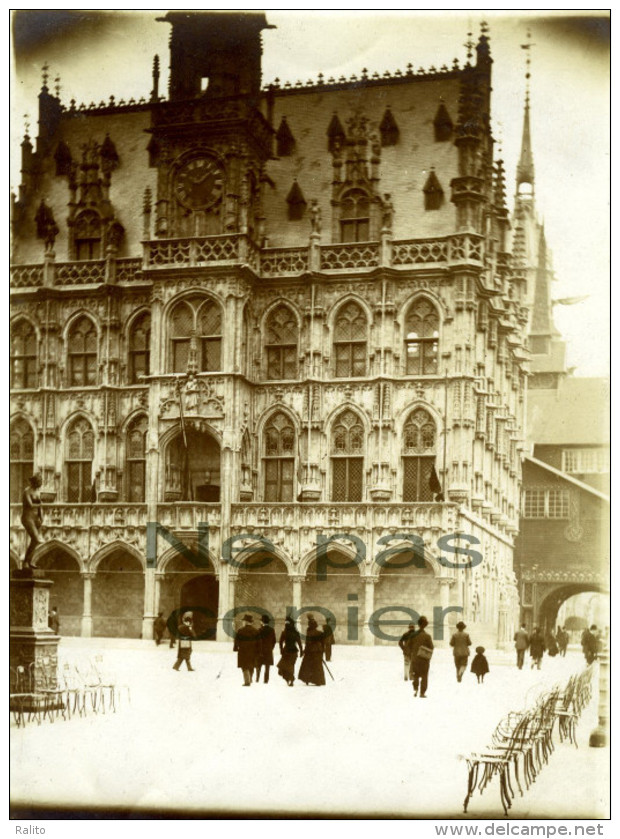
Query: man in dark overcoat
x,y
245,646
420,663
266,641
522,642
328,639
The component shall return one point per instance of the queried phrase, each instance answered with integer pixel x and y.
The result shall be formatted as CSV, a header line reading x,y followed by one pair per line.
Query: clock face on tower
x,y
199,183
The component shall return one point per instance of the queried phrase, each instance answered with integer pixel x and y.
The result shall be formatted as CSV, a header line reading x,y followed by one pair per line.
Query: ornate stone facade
x,y
356,375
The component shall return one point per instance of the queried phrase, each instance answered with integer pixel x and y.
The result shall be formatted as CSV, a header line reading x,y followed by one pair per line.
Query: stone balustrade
x,y
461,248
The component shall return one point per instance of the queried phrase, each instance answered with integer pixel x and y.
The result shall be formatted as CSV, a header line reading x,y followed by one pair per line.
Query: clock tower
x,y
210,142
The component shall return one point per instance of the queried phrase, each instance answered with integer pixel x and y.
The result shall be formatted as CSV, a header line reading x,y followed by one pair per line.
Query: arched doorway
x,y
202,593
341,591
184,586
118,596
406,581
67,593
263,584
192,471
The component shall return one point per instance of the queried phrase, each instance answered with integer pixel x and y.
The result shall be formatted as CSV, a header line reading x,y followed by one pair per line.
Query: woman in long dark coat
x,y
290,642
311,670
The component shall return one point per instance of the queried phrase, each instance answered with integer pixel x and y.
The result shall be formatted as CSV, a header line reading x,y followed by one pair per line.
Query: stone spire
x,y
525,168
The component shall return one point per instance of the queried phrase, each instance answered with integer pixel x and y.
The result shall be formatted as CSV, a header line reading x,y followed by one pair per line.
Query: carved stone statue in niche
x,y
32,517
387,212
47,229
315,216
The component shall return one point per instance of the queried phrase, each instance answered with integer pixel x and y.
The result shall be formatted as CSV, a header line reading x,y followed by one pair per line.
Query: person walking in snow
x,y
420,649
480,665
460,642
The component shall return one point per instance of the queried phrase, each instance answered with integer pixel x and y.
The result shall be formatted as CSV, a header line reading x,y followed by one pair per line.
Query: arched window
x,y
22,457
347,455
196,328
82,353
281,344
419,435
88,236
279,458
350,341
139,348
422,339
355,217
23,355
209,334
80,450
136,459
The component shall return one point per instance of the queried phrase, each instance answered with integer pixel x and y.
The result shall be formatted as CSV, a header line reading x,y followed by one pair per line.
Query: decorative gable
x,y
388,129
335,134
443,124
285,142
433,192
296,202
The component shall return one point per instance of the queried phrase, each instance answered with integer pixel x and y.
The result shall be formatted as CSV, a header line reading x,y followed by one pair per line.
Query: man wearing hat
x,y
184,647
403,645
460,642
246,647
311,670
266,641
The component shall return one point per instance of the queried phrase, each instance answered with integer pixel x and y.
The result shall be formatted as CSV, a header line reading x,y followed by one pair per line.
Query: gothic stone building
x,y
286,313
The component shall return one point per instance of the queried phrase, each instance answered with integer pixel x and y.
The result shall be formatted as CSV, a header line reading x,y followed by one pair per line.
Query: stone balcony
x,y
241,250
292,527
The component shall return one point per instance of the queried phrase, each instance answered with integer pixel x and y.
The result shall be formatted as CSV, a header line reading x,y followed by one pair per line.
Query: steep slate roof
x,y
576,414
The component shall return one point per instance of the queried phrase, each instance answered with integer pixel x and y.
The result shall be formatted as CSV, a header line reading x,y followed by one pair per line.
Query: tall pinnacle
x,y
525,168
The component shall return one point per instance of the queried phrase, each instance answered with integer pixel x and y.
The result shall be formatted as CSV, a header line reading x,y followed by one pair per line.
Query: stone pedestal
x,y
31,640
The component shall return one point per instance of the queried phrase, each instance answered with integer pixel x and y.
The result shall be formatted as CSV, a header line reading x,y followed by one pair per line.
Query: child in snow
x,y
480,666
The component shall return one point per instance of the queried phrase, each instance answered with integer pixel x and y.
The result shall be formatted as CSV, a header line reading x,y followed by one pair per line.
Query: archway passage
x,y
341,591
554,598
186,587
406,582
118,596
264,585
67,593
200,593
193,467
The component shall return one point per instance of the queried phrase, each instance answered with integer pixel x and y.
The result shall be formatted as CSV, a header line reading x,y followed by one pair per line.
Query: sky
x,y
98,54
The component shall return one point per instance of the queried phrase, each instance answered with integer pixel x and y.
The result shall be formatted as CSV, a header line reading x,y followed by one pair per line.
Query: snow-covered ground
x,y
360,746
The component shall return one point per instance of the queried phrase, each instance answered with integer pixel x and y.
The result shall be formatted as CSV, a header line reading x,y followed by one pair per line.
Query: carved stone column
x,y
31,640
368,638
87,610
224,603
150,605
297,580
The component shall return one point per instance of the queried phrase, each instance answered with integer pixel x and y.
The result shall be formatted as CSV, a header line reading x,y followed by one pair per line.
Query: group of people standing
x,y
417,647
537,643
254,650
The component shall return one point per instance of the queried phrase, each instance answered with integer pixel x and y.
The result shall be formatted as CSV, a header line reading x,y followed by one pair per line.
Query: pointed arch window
x,y
209,332
139,348
23,355
347,457
355,216
419,441
21,456
80,450
87,236
196,325
350,341
136,459
279,458
422,339
281,341
82,353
